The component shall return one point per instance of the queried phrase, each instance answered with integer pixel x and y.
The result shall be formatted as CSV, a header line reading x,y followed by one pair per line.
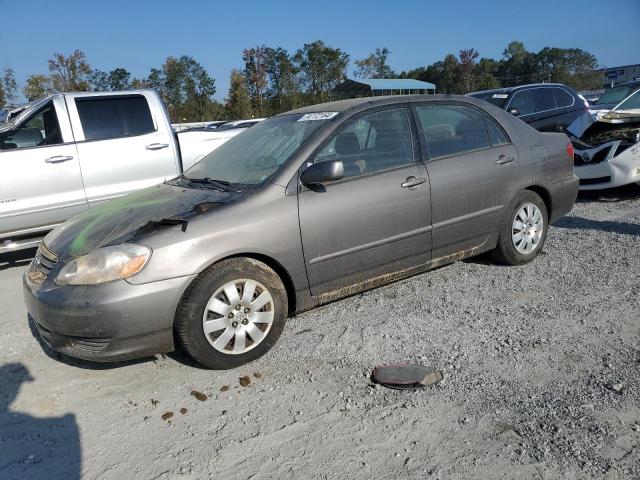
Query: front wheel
x,y
523,230
232,314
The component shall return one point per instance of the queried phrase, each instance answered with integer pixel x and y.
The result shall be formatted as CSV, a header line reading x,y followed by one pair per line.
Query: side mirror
x,y
322,172
514,111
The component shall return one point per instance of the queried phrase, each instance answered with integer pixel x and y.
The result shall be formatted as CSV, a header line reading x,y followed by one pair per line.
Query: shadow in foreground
x,y
603,225
32,447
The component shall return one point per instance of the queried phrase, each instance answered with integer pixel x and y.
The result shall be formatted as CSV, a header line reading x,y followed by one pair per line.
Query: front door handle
x,y
59,159
504,160
413,182
157,146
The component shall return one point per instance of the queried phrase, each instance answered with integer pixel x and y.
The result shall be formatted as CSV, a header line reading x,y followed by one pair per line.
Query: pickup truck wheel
x,y
523,230
232,313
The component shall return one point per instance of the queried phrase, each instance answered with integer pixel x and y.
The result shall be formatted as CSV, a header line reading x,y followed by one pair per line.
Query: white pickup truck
x,y
69,152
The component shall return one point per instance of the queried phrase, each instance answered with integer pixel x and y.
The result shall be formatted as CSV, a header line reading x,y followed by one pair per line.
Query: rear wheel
x,y
232,314
523,230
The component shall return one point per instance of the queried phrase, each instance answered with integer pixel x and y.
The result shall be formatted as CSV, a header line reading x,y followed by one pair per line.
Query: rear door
x,y
123,144
376,220
472,168
41,184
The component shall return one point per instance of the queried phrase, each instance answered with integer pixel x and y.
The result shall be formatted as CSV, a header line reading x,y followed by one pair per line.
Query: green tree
x,y
2,97
255,73
238,100
467,64
283,85
99,81
517,66
9,85
484,74
72,73
375,65
321,68
571,66
119,79
37,86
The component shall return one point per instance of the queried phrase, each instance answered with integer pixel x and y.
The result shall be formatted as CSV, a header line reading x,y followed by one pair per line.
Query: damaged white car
x,y
606,139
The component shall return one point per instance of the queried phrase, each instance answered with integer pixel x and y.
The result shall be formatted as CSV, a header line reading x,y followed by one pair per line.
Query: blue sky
x,y
139,35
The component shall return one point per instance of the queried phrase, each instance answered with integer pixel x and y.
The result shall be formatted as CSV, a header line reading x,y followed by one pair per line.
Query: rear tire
x,y
523,230
233,313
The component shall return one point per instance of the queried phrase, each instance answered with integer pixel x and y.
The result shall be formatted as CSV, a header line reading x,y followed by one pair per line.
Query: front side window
x,y
253,156
114,117
543,99
371,143
523,101
39,130
452,129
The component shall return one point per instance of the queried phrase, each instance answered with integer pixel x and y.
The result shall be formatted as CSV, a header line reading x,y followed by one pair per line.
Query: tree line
x,y
273,80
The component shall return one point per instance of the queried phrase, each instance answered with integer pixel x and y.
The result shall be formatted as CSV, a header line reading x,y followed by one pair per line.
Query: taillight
x,y
570,150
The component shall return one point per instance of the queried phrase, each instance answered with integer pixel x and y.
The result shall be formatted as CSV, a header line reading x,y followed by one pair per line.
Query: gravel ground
x,y
541,380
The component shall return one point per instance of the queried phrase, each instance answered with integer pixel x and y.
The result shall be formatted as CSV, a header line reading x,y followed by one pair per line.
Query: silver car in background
x,y
302,209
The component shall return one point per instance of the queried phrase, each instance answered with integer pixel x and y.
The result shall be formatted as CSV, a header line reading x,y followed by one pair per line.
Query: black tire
x,y
506,252
189,316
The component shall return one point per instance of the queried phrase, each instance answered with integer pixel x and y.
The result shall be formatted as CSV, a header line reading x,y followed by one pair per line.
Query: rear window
x,y
114,117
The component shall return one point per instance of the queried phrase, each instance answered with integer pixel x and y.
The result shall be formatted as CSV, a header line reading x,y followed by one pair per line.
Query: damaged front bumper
x,y
607,165
111,322
606,151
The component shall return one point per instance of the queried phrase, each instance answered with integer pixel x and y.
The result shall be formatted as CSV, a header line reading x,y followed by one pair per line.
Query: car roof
x,y
521,87
357,104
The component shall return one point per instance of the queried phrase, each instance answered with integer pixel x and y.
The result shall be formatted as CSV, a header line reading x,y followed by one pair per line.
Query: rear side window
x,y
563,98
452,129
114,117
543,99
371,143
496,135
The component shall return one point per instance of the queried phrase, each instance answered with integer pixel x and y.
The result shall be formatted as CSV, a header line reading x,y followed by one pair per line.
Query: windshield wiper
x,y
221,185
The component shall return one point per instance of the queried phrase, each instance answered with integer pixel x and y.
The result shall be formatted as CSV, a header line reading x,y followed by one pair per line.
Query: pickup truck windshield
x,y
254,155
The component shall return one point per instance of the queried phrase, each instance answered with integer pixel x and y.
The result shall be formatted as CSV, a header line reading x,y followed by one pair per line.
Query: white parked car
x,y
198,142
606,139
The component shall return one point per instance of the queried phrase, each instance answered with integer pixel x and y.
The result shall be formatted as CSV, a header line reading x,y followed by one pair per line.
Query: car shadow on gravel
x,y
618,194
16,259
580,223
77,362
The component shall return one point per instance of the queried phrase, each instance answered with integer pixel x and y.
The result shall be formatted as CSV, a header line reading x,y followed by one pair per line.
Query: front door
x,y
376,220
122,146
472,167
41,183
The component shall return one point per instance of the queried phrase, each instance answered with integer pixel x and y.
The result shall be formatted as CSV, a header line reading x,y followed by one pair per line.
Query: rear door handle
x,y
413,182
59,159
503,160
157,146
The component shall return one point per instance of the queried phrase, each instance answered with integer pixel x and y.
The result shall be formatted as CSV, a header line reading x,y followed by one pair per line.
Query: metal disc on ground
x,y
405,376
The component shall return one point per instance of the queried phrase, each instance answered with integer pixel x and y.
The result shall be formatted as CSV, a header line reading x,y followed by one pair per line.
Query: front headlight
x,y
104,265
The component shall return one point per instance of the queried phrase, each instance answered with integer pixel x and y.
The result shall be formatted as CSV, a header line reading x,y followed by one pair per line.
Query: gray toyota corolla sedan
x,y
301,209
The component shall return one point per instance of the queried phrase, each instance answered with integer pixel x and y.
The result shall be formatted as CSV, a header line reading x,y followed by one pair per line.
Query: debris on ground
x,y
257,375
404,376
183,411
154,402
199,395
224,388
245,381
167,415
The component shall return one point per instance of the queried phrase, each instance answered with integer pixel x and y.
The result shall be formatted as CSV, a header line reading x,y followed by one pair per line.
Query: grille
x,y
42,264
594,181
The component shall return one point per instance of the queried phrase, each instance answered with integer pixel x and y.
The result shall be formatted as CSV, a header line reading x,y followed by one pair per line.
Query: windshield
x,y
254,155
497,98
616,95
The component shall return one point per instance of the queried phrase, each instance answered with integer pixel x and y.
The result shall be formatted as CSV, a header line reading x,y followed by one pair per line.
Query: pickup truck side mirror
x,y
514,111
322,172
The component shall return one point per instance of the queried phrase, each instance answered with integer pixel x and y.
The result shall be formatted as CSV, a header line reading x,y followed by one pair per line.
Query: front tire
x,y
233,313
523,230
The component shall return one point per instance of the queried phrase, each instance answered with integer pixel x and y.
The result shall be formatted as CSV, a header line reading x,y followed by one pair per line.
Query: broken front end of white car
x,y
607,145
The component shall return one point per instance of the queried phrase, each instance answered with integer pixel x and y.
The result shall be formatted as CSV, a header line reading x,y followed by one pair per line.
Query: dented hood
x,y
129,218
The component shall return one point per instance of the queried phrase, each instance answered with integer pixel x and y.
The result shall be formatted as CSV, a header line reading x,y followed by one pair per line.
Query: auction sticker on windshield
x,y
500,95
317,116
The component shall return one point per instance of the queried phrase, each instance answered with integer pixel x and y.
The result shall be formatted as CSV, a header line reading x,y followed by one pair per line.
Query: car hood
x,y
129,218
